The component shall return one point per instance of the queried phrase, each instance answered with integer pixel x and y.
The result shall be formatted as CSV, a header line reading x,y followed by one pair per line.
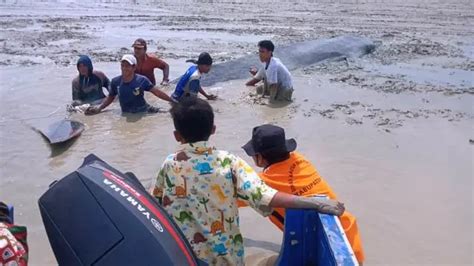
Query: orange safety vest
x,y
298,176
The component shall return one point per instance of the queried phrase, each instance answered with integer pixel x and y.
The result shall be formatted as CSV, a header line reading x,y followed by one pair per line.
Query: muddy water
x,y
404,186
390,132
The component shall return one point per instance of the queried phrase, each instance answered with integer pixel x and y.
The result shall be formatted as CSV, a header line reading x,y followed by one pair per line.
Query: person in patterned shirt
x,y
199,186
13,244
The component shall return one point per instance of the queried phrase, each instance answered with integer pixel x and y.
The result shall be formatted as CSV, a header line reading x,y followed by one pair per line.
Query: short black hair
x,y
204,59
193,118
275,157
267,44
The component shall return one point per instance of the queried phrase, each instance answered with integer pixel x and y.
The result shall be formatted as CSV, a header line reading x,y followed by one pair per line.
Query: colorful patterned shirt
x,y
199,186
13,247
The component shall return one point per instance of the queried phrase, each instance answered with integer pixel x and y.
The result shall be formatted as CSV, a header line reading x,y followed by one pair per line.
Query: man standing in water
x,y
130,88
146,63
276,78
87,86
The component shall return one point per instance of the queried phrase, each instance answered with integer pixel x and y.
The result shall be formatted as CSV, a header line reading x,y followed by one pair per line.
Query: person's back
x,y
296,175
200,193
199,186
290,172
188,84
305,181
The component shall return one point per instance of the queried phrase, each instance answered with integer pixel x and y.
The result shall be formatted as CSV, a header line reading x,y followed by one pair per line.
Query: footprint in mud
x,y
356,113
387,122
326,113
353,121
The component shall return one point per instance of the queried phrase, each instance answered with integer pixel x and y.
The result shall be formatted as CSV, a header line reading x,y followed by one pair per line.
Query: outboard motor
x,y
99,216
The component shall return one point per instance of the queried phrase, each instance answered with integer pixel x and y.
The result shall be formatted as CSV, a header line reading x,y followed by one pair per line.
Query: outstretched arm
x,y
252,190
97,109
208,96
257,75
160,94
252,82
166,72
158,63
284,200
107,101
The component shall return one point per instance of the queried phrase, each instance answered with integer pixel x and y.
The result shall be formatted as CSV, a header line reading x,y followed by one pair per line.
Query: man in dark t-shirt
x,y
87,86
131,94
130,89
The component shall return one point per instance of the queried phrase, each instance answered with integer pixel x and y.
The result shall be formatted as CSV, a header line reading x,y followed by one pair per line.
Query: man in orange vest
x,y
288,171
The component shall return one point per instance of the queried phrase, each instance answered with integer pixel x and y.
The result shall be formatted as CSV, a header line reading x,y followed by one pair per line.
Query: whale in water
x,y
294,56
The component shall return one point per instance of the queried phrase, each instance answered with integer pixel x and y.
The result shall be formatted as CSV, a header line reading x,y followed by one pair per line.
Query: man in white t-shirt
x,y
276,78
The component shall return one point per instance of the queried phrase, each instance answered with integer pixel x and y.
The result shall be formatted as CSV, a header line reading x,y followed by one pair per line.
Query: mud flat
x,y
391,131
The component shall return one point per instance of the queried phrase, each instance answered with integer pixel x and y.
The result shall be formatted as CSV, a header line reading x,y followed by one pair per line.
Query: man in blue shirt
x,y
190,83
130,88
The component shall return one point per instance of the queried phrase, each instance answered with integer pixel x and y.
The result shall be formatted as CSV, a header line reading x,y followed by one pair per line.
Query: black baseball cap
x,y
204,59
268,138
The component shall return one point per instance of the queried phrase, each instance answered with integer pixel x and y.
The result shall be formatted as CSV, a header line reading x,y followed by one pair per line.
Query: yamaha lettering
x,y
134,202
156,224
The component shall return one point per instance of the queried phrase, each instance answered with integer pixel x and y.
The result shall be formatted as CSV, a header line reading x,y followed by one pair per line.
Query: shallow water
x,y
391,181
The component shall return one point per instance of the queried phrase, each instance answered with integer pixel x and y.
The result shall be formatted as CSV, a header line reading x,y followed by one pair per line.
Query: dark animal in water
x,y
293,56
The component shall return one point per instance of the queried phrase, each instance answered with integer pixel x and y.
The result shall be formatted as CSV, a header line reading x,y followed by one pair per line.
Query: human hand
x,y
93,110
76,103
211,97
165,82
253,70
328,206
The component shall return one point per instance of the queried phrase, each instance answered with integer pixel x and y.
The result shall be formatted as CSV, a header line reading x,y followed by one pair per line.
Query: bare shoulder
x,y
152,56
155,58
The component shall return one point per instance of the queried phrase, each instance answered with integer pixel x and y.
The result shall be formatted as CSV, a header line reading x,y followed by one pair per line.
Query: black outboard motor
x,y
99,216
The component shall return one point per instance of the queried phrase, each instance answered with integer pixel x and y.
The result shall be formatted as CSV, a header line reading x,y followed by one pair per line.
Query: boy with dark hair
x,y
190,83
288,171
277,81
199,187
267,44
